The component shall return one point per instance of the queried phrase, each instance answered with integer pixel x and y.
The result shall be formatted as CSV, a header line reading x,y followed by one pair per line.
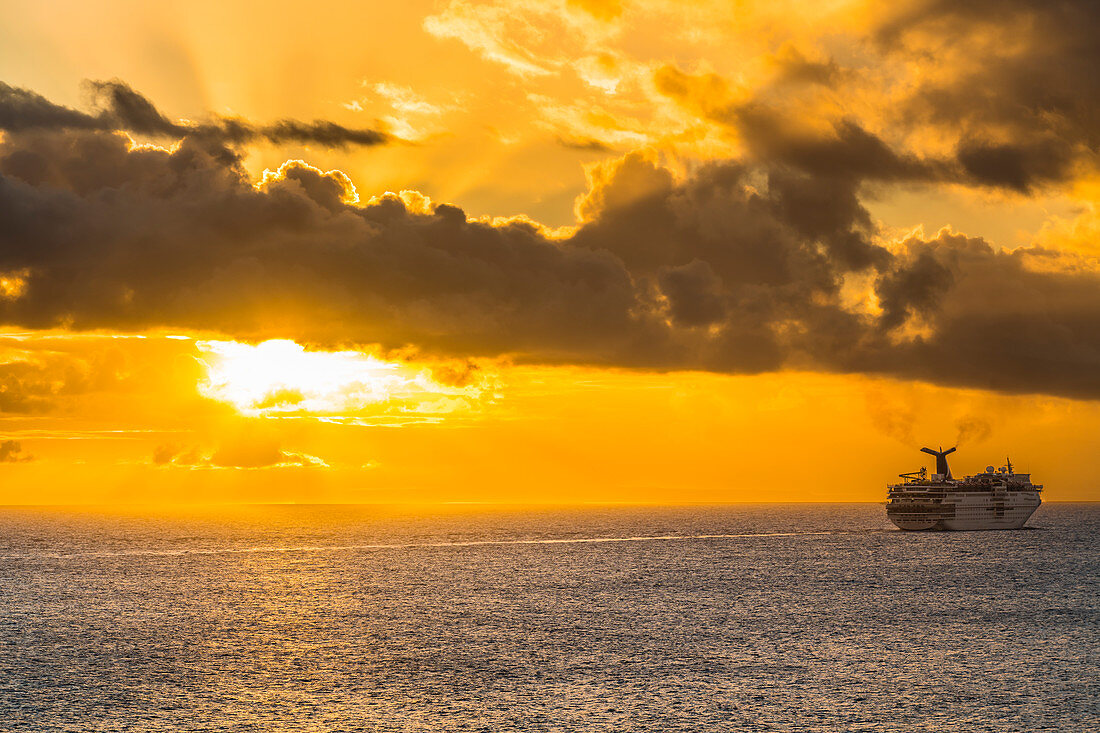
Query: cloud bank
x,y
119,107
766,263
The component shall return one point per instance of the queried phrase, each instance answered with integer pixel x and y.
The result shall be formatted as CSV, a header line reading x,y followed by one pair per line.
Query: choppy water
x,y
787,618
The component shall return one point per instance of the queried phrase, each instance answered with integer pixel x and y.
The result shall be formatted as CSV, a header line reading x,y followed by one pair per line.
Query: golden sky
x,y
572,250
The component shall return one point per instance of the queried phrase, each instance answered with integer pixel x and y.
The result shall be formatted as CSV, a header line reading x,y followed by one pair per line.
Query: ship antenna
x,y
1009,462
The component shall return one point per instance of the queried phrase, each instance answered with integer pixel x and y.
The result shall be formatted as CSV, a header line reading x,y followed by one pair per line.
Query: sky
x,y
537,252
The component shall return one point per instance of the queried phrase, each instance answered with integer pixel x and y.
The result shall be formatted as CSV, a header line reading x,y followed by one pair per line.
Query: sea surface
x,y
472,618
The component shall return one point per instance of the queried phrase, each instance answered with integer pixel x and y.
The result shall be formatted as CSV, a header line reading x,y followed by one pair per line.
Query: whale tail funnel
x,y
941,460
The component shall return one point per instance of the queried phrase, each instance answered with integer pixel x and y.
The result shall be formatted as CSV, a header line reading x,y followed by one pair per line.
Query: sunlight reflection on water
x,y
794,618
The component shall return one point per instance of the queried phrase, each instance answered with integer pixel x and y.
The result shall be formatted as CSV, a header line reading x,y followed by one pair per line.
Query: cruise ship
x,y
996,499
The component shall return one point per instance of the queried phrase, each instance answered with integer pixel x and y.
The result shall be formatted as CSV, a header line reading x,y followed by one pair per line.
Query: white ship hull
x,y
964,511
996,499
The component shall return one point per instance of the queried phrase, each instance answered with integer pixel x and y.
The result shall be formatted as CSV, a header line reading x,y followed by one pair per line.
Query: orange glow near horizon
x,y
366,430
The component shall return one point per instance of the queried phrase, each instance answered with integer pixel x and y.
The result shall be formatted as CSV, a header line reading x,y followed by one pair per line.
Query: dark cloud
x,y
35,382
119,107
22,109
1020,87
320,132
913,289
1011,86
741,268
125,109
840,149
457,373
1001,324
25,388
846,151
694,293
793,67
11,451
192,241
1019,166
589,144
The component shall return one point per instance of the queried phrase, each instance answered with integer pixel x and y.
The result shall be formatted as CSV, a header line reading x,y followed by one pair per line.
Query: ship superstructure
x,y
996,499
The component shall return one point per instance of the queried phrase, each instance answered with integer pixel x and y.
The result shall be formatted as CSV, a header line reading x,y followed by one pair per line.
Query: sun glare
x,y
282,377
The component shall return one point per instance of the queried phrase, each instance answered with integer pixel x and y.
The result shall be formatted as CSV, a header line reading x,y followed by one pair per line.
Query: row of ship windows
x,y
919,507
984,511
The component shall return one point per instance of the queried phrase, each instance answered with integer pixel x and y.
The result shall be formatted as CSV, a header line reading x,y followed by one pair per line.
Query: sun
x,y
281,376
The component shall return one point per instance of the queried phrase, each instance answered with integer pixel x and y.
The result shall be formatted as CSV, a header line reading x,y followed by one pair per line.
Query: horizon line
x,y
89,505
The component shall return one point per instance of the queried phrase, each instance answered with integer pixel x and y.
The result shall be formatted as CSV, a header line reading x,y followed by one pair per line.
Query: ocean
x,y
800,617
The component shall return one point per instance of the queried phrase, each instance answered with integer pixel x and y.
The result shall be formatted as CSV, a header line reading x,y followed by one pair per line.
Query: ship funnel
x,y
941,460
